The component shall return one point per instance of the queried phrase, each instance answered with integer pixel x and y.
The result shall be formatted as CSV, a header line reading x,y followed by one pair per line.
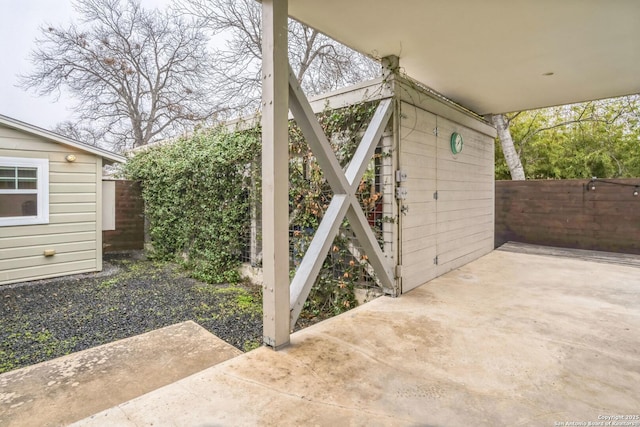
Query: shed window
x,y
24,191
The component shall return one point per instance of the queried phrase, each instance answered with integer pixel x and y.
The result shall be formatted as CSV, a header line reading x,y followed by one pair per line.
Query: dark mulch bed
x,y
47,319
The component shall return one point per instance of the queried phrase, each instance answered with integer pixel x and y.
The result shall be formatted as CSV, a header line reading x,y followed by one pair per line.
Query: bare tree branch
x,y
136,74
320,63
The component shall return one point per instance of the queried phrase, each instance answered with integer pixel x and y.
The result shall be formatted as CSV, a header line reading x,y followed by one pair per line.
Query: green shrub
x,y
199,190
196,194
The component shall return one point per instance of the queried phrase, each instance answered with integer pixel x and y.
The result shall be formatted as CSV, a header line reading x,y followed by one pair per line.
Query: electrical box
x,y
401,193
401,176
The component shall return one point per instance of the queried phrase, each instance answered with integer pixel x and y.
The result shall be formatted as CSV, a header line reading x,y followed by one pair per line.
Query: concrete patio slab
x,y
70,388
510,339
587,255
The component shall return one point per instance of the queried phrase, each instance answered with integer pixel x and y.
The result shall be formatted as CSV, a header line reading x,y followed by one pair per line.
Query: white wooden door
x,y
418,220
465,204
447,218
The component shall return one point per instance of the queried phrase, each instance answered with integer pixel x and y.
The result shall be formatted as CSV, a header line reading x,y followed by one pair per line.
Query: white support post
x,y
391,164
389,199
390,67
275,174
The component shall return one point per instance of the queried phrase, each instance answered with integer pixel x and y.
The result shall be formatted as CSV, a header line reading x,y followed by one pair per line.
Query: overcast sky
x,y
20,21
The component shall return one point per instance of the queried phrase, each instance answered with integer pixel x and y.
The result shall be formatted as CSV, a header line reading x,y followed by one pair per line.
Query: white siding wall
x,y
74,218
465,197
418,148
457,227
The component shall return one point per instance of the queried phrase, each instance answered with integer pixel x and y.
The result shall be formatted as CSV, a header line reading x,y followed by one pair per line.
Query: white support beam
x,y
275,173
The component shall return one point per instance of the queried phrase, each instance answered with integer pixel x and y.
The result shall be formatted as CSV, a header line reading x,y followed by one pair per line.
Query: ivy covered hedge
x,y
197,200
199,193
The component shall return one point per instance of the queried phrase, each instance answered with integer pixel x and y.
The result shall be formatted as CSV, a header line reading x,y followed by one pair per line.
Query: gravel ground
x,y
50,318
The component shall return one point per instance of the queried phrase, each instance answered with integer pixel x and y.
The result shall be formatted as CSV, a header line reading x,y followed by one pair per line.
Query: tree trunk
x,y
510,153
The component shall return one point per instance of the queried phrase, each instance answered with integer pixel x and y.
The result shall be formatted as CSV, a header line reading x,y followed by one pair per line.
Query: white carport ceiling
x,y
492,56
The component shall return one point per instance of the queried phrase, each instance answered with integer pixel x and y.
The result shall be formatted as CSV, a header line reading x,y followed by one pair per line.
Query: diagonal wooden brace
x,y
316,253
317,140
344,202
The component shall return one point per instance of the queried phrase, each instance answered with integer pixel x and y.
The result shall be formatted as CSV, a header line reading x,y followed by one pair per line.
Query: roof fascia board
x,y
414,94
54,137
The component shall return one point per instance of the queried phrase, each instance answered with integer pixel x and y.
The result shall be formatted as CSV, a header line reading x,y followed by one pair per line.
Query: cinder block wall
x,y
129,232
565,214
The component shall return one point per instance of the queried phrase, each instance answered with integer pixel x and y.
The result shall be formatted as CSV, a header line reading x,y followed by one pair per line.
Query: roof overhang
x,y
495,56
108,156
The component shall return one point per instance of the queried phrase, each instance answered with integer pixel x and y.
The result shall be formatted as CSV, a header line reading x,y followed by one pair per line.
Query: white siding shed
x,y
448,217
50,203
441,198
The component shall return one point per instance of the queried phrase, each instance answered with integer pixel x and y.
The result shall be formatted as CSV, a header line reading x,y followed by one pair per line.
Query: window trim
x,y
42,191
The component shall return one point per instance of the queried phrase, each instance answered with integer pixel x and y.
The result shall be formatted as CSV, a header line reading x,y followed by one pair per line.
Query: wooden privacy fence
x,y
129,219
583,214
563,213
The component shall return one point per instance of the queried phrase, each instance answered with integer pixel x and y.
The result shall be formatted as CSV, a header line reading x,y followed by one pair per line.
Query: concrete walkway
x,y
70,388
511,339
